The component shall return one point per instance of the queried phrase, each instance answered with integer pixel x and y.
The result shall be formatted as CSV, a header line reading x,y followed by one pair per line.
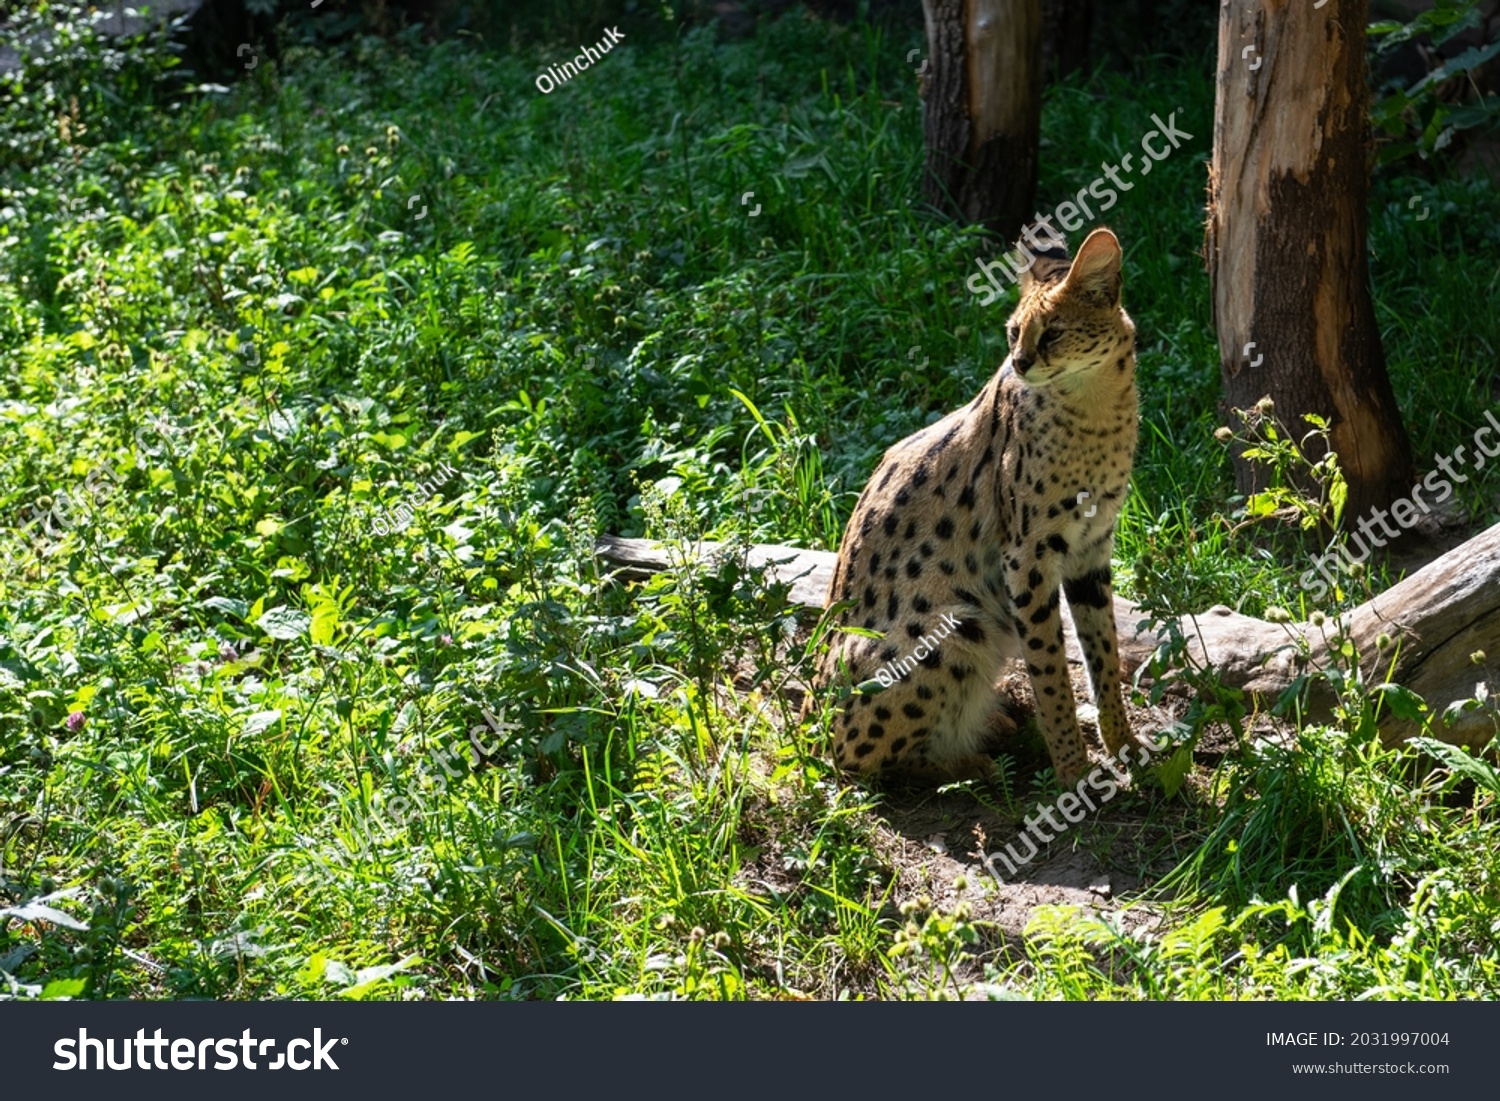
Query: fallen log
x,y
1439,619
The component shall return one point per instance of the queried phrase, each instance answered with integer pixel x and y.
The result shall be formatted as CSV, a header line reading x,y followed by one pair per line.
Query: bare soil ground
x,y
935,836
932,839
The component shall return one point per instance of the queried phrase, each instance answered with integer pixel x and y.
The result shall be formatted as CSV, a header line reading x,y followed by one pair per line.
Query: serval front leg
x,y
1039,625
1091,600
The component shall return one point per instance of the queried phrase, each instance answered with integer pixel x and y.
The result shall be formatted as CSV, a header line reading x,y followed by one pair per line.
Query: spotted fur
x,y
981,520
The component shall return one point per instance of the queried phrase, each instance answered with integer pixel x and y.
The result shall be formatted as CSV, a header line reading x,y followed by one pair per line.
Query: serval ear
x,y
1046,264
1095,274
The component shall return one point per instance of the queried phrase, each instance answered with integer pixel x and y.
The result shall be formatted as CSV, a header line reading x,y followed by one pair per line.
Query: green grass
x,y
591,328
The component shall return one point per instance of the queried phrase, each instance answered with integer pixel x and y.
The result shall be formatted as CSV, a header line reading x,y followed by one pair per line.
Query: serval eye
x,y
1013,334
1048,339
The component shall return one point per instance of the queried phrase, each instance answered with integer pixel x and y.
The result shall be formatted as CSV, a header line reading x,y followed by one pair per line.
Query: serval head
x,y
1069,321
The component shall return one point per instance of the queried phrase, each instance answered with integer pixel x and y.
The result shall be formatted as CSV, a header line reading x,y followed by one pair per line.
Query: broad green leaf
x,y
228,605
370,977
1173,771
259,722
1461,762
37,911
284,623
338,972
1338,497
325,623
1403,702
312,970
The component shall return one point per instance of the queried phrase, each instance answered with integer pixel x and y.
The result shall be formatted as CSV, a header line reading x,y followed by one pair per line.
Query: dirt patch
x,y
934,838
929,839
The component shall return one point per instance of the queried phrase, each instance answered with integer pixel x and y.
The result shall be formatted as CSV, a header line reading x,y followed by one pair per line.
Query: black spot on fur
x,y
944,528
1091,590
1045,610
942,444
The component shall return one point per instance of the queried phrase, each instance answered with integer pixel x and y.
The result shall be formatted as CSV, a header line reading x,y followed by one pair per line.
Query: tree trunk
x,y
1285,243
1443,617
983,110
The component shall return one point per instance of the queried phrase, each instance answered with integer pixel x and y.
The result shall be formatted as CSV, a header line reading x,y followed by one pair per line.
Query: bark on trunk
x,y
1285,243
1441,617
982,117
